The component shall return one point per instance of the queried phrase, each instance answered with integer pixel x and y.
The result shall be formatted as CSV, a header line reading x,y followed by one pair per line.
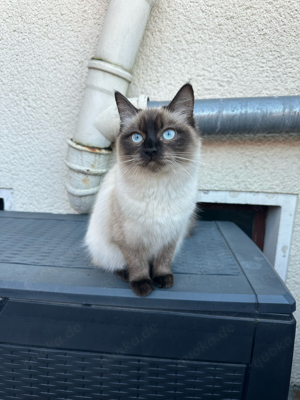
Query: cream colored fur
x,y
143,208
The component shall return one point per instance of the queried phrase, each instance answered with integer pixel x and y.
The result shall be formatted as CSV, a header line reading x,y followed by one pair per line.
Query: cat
x,y
145,206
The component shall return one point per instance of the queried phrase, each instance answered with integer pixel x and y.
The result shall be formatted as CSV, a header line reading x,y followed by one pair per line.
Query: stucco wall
x,y
44,51
226,49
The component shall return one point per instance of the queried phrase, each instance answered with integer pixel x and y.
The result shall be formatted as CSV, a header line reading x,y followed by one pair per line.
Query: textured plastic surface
x,y
60,243
71,331
81,375
271,360
218,269
116,330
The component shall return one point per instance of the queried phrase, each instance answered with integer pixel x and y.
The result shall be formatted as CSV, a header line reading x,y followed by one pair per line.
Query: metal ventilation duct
x,y
250,115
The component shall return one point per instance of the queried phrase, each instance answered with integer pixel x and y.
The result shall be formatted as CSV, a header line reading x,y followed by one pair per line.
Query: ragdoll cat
x,y
145,206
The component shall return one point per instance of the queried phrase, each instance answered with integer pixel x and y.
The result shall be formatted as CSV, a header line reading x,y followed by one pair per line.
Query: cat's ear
x,y
183,102
126,110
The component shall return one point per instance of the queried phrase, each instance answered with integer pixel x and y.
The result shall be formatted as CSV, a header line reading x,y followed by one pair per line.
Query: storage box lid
x,y
219,269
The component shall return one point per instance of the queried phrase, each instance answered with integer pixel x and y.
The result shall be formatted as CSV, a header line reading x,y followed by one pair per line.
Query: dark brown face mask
x,y
157,138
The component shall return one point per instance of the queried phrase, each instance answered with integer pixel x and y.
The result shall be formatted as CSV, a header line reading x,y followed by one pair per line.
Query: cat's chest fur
x,y
156,212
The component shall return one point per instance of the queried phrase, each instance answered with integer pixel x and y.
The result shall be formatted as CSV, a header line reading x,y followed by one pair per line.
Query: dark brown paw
x,y
165,281
123,274
142,288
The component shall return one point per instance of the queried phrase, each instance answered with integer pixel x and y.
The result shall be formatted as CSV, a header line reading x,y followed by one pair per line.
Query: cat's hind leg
x,y
192,224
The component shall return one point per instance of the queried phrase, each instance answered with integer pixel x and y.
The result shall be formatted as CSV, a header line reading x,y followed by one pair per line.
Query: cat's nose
x,y
150,151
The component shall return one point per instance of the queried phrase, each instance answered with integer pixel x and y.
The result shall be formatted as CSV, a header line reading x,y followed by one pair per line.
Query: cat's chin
x,y
155,166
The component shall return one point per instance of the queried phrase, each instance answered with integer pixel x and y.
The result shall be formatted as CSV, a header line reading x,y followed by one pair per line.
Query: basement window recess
x,y
250,218
267,218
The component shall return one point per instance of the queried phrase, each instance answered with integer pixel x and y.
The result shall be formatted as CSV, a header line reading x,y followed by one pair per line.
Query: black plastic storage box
x,y
225,330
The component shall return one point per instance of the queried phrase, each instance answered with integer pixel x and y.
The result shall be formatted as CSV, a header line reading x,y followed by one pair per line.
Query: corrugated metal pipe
x,y
246,115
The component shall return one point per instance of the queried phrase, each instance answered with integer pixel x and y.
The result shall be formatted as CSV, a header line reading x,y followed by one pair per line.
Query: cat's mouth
x,y
154,165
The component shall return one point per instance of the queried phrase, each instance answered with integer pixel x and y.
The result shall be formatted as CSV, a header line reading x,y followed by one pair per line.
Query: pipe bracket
x,y
110,68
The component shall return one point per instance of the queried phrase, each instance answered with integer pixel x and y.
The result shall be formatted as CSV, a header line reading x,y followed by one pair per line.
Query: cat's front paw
x,y
142,288
164,281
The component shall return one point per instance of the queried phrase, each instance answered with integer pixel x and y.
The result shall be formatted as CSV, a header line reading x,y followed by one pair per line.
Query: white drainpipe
x,y
88,156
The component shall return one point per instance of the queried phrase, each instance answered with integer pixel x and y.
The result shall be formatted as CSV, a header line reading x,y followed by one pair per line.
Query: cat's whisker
x,y
127,170
180,166
124,169
134,160
132,169
127,161
197,161
174,170
188,159
129,156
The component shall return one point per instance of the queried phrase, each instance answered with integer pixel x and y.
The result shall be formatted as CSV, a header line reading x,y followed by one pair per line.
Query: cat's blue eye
x,y
136,138
169,134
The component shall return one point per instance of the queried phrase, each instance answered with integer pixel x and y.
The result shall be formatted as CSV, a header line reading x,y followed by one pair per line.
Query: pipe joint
x,y
87,167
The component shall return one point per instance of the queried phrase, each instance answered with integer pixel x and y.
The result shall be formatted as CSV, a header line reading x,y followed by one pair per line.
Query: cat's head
x,y
158,139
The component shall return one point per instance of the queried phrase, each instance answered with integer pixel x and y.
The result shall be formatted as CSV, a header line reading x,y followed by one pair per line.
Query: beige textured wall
x,y
232,48
226,49
44,50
